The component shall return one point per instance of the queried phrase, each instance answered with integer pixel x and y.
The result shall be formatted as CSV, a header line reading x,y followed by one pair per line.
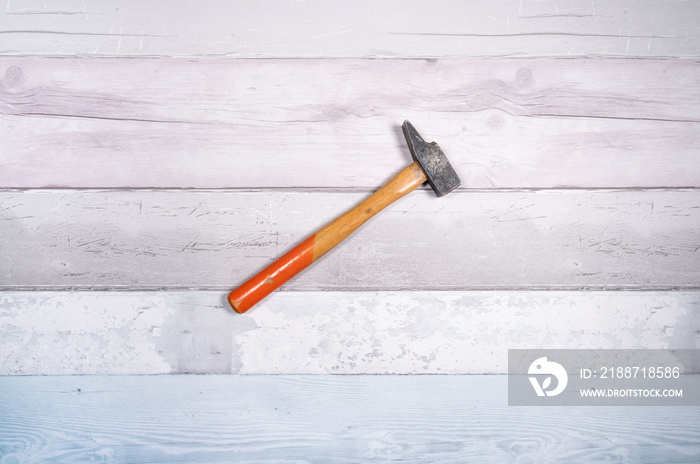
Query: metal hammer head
x,y
441,175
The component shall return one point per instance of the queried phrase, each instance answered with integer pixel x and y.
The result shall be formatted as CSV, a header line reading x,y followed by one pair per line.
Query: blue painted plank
x,y
321,419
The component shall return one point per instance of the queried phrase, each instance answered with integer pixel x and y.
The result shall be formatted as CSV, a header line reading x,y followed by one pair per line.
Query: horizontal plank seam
x,y
274,374
430,58
423,34
485,289
349,190
423,57
255,374
535,34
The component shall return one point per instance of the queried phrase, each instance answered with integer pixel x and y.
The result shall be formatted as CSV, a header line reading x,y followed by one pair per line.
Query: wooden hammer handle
x,y
318,244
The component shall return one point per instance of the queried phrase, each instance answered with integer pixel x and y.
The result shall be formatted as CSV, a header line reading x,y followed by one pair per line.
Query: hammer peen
x,y
430,165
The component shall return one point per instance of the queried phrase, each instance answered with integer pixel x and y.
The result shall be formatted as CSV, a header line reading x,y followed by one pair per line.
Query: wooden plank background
x,y
154,155
446,419
269,123
367,29
150,239
329,332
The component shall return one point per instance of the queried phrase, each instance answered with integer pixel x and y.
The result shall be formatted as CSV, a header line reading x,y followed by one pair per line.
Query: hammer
x,y
430,165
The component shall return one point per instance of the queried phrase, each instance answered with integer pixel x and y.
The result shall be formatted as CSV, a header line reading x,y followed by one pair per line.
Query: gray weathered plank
x,y
73,333
322,419
214,239
364,28
336,123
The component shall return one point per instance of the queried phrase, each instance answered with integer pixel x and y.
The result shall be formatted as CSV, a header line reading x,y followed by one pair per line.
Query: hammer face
x,y
441,175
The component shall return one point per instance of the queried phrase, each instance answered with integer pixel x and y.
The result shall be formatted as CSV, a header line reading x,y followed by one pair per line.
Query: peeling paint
x,y
85,333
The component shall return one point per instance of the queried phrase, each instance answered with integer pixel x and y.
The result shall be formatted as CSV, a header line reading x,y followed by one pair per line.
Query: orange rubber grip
x,y
274,275
298,258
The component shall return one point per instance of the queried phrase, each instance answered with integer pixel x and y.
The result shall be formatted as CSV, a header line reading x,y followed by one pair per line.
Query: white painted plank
x,y
69,333
215,239
322,419
276,28
336,123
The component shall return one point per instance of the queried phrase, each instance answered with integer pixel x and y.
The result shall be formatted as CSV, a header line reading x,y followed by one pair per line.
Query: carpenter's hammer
x,y
430,165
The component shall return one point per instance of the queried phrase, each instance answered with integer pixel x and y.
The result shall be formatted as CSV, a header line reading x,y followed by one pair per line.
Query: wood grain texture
x,y
276,28
457,332
323,419
326,238
271,123
265,125
213,239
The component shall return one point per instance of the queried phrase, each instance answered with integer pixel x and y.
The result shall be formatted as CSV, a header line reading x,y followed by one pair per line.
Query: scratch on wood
x,y
545,239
